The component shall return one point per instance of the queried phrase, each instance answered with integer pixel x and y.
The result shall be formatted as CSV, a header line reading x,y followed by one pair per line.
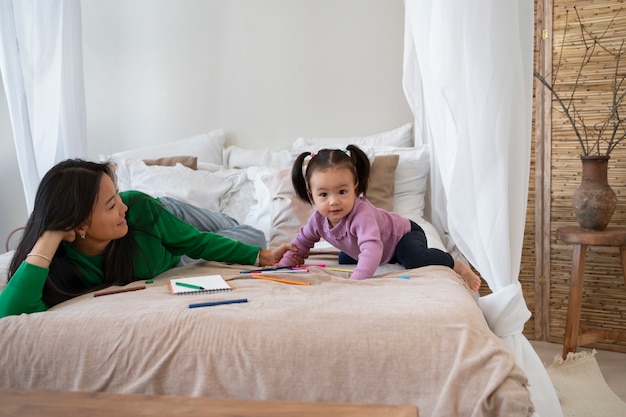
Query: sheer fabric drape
x,y
468,79
42,71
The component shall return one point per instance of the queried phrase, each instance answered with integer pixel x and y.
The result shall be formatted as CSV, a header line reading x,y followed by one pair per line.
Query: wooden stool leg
x,y
575,299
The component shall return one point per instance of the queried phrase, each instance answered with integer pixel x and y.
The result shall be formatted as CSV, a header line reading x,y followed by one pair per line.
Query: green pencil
x,y
195,287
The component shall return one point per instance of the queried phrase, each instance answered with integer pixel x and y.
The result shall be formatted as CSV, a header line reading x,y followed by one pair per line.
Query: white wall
x,y
266,71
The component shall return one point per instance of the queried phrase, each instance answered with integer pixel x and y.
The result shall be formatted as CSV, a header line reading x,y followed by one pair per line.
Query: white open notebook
x,y
205,284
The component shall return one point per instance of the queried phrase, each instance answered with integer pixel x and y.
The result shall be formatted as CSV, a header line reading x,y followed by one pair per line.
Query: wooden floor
x,y
612,364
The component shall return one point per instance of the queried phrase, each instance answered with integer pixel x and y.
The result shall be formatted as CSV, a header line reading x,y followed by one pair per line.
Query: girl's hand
x,y
268,257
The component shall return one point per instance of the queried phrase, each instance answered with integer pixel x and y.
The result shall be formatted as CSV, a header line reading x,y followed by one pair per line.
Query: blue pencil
x,y
256,271
217,303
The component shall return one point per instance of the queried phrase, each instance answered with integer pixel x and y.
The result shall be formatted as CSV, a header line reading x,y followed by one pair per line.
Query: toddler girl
x,y
335,182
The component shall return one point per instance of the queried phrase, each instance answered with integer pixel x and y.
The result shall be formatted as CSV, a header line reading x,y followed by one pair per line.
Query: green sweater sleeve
x,y
162,238
23,292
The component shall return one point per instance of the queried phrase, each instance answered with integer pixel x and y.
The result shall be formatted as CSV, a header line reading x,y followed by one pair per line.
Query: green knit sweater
x,y
161,239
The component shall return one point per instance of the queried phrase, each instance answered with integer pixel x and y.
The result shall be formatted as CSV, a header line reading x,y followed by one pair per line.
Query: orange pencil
x,y
284,281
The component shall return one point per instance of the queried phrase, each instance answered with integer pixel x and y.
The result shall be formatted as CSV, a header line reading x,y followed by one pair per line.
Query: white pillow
x,y
236,157
288,212
432,236
401,137
208,166
243,194
260,214
236,201
5,261
206,189
277,211
208,147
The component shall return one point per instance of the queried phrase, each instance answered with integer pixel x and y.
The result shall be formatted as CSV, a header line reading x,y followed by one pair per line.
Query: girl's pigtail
x,y
362,165
297,178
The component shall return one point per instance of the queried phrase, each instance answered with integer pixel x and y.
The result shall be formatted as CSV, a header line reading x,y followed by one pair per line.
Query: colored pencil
x,y
284,281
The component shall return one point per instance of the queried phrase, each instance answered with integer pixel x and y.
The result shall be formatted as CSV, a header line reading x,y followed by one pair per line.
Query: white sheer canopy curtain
x,y
42,70
468,79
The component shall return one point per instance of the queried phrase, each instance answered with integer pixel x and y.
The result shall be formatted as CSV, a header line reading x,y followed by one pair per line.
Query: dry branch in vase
x,y
598,129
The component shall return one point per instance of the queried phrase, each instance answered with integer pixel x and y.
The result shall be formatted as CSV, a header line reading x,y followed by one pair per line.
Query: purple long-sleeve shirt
x,y
367,233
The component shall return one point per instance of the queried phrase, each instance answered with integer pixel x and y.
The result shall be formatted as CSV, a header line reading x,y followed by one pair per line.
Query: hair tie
x,y
313,154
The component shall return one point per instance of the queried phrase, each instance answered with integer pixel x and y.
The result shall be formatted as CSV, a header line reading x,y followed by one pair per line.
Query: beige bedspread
x,y
388,340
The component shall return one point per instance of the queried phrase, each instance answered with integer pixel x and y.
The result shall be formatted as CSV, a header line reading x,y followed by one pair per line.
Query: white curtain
x,y
42,71
468,80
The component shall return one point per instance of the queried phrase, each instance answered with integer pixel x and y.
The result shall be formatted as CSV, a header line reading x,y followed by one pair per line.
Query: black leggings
x,y
412,251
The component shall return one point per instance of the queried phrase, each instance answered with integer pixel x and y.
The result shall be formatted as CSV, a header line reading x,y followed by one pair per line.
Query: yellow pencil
x,y
339,269
284,281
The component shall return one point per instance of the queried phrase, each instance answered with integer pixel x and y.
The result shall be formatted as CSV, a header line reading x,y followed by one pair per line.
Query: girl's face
x,y
333,192
107,221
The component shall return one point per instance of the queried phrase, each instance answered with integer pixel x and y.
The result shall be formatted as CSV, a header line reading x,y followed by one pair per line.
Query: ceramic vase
x,y
594,201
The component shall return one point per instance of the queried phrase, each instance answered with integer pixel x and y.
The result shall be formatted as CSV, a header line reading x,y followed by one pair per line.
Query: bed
x,y
403,337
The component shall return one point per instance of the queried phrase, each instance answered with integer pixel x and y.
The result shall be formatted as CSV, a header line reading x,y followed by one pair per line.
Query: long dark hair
x,y
65,198
352,158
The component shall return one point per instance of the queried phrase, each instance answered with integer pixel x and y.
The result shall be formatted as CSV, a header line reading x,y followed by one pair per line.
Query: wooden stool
x,y
612,236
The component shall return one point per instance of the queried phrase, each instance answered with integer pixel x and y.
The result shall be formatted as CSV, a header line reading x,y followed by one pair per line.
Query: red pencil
x,y
141,287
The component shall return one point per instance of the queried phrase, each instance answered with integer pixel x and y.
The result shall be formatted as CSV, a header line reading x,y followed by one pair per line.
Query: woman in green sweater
x,y
83,236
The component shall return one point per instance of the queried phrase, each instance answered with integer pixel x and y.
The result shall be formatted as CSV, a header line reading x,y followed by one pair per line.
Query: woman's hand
x,y
46,246
270,257
69,235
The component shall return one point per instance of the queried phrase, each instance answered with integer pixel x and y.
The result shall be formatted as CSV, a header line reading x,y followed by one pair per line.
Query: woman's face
x,y
107,221
333,192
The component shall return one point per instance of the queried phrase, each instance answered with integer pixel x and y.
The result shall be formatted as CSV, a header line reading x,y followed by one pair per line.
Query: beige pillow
x,y
169,161
381,188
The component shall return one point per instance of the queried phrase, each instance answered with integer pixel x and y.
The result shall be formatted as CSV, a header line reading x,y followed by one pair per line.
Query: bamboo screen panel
x,y
604,297
528,261
527,267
